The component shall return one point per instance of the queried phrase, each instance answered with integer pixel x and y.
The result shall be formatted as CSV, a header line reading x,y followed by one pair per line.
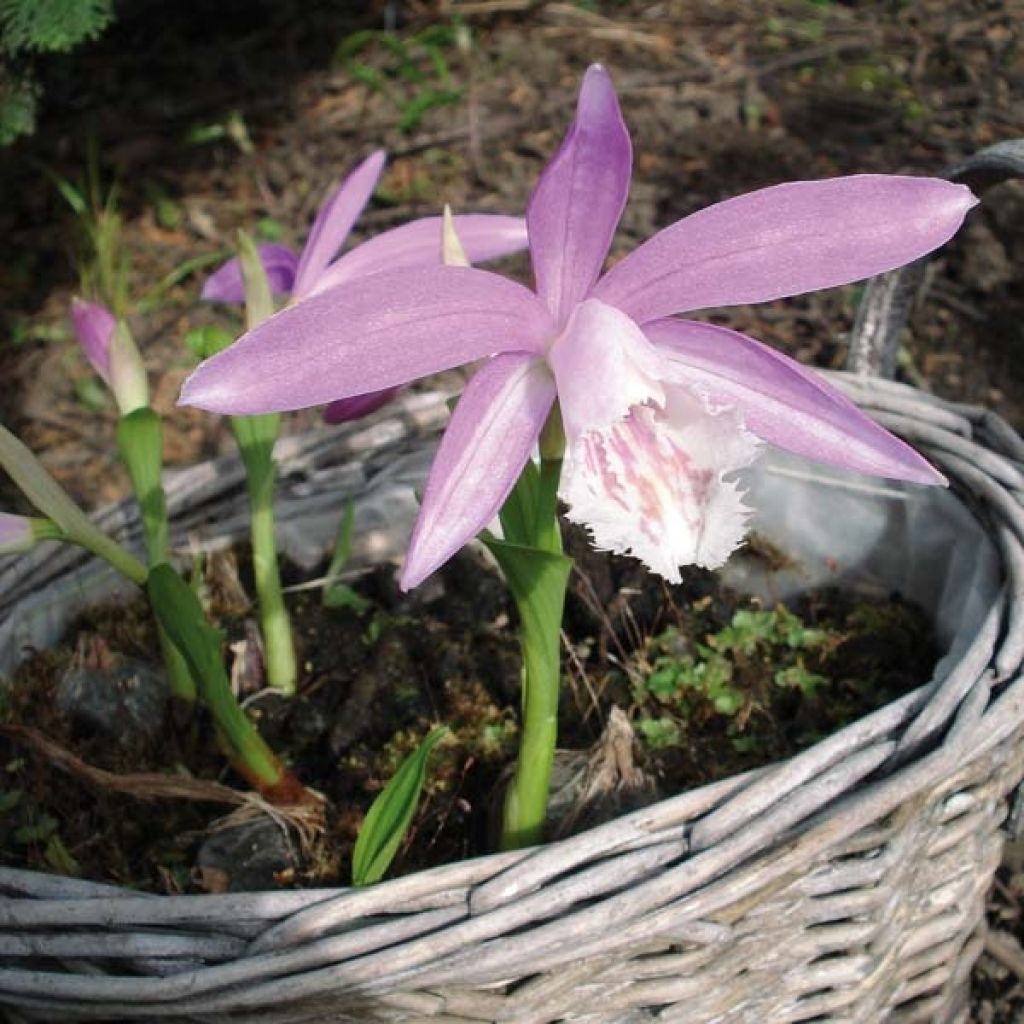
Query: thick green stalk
x,y
255,436
540,613
537,572
140,442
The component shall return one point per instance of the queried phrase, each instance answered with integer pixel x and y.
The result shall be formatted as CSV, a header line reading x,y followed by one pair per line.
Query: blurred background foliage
x,y
28,30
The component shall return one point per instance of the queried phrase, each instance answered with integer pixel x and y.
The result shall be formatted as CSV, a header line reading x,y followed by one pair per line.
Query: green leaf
x,y
56,25
528,516
367,75
663,682
91,394
32,479
70,193
352,44
659,733
179,612
269,229
391,814
799,678
517,514
152,299
340,595
18,100
256,436
537,580
342,544
36,831
59,857
208,340
412,112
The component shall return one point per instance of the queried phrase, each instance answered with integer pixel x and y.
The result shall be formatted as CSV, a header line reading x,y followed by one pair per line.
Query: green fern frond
x,y
51,25
17,107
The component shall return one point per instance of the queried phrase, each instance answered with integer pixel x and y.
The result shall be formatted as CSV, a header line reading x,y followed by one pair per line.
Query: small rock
x,y
121,697
306,723
245,858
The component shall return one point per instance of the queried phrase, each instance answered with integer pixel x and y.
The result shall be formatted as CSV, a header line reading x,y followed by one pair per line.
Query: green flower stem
x,y
256,435
526,801
140,442
537,572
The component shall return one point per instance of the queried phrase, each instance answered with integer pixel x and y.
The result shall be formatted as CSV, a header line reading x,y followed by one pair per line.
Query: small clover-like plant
x,y
728,672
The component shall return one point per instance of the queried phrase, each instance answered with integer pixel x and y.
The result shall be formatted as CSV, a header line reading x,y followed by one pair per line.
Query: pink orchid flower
x,y
485,237
658,412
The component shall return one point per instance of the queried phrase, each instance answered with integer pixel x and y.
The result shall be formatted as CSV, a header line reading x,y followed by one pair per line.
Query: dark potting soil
x,y
709,683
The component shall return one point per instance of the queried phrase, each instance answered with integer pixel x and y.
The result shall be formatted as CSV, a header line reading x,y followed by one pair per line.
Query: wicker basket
x,y
845,885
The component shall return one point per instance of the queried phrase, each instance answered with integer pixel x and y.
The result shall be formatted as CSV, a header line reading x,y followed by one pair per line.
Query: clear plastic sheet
x,y
877,537
837,529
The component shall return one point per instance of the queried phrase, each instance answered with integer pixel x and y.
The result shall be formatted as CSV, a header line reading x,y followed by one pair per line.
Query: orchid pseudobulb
x,y
658,412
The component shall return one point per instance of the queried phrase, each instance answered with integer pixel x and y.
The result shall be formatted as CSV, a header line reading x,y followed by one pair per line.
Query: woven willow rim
x,y
632,919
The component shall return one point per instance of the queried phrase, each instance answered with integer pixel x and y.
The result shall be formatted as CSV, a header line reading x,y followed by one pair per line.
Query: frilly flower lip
x,y
659,412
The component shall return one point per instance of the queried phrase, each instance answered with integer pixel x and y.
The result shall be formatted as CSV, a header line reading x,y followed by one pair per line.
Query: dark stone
x,y
248,857
126,700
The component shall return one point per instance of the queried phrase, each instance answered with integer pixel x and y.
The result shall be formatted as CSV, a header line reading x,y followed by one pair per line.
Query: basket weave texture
x,y
845,885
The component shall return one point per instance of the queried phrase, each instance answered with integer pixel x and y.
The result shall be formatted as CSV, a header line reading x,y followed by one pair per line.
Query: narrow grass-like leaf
x,y
340,595
391,814
32,479
181,615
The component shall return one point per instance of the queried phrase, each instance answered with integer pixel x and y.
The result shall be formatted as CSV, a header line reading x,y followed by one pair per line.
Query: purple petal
x,y
355,408
782,402
785,240
576,204
225,284
483,236
392,329
483,451
94,326
335,220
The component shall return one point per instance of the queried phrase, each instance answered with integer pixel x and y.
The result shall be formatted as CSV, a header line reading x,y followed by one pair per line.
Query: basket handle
x,y
888,299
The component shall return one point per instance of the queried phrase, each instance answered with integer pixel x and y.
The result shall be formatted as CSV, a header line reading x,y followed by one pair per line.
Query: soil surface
x,y
669,688
243,114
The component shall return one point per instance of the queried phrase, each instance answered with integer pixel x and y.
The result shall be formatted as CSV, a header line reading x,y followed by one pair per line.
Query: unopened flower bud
x,y
127,374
